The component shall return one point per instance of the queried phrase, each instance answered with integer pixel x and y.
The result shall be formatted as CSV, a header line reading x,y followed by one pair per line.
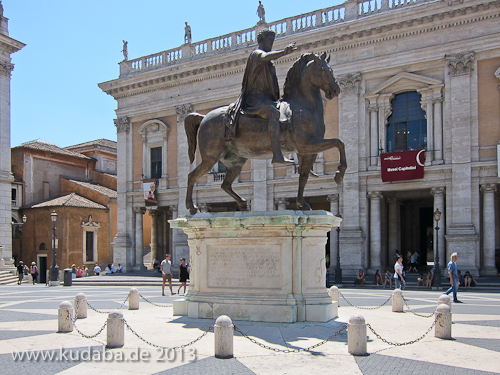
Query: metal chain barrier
x,y
154,304
165,347
415,313
290,350
365,308
402,343
83,334
107,312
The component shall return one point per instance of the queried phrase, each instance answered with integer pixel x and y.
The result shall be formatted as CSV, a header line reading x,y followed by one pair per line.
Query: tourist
x,y
79,272
398,274
166,273
73,271
420,280
413,262
453,274
33,272
360,279
468,280
119,269
183,275
156,265
378,278
97,270
85,271
20,272
428,281
388,279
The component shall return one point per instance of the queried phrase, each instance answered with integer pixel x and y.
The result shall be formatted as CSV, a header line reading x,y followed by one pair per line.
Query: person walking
x,y
183,275
453,272
398,274
166,273
34,272
20,272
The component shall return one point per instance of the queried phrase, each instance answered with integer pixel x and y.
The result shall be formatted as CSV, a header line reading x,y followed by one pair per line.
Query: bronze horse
x,y
303,133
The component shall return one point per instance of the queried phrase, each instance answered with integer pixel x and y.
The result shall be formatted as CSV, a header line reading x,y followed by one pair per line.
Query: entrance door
x,y
42,269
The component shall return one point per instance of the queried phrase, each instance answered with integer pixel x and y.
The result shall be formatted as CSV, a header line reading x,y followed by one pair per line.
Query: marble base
x,y
259,266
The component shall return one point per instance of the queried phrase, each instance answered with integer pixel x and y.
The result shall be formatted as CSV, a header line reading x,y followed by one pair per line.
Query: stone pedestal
x,y
259,266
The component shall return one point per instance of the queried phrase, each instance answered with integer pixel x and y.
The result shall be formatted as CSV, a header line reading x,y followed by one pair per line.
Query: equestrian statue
x,y
260,125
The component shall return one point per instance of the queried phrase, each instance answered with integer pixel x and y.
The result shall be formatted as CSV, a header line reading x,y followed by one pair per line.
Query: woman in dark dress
x,y
183,274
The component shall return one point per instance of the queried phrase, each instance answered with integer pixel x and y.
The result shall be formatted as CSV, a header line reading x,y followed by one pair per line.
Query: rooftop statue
x,y
187,34
261,12
253,133
125,50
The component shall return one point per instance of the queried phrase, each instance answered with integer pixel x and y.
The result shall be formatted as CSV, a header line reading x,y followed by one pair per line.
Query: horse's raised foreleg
x,y
233,171
316,145
306,163
204,167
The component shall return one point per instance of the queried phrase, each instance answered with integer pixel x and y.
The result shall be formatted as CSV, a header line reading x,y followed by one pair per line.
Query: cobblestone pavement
x,y
28,327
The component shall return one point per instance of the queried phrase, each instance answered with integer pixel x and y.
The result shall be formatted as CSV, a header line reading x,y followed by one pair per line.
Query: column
x,y
154,235
334,209
438,127
139,239
393,224
375,230
374,149
427,106
488,264
439,195
183,165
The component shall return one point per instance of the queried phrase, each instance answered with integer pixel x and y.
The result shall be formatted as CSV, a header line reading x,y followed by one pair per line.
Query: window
x,y
407,129
156,162
89,246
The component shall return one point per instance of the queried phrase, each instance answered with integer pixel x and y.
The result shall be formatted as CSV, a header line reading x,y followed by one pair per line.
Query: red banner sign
x,y
401,166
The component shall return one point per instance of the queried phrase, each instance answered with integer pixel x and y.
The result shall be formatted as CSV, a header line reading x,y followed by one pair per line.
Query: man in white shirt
x,y
398,274
166,273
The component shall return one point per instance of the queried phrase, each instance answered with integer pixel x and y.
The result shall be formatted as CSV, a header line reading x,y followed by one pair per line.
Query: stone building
x,y
7,47
414,75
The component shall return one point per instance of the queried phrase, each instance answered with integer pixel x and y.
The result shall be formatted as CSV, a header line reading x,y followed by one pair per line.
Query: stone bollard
x,y
334,294
443,324
65,317
115,330
81,306
397,300
444,298
223,331
2,262
133,299
356,335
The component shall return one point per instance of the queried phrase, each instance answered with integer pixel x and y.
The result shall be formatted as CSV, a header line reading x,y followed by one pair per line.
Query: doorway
x,y
42,269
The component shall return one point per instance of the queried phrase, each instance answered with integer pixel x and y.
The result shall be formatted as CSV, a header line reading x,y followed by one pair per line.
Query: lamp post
x,y
54,271
437,269
338,270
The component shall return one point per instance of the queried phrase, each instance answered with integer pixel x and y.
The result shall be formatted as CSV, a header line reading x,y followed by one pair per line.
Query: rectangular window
x,y
14,197
156,162
89,247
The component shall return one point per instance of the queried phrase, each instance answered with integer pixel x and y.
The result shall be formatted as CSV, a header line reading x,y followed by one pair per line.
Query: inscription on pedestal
x,y
244,267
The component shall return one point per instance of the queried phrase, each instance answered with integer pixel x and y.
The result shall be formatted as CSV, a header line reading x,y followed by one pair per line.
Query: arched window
x,y
407,125
42,246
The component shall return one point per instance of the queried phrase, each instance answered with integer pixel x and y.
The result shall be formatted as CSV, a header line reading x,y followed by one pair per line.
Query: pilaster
x,y
488,230
375,230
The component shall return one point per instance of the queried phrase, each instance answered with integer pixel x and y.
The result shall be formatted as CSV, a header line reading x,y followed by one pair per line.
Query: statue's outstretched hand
x,y
290,48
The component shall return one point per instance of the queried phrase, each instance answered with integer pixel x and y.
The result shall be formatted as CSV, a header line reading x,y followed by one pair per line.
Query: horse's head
x,y
322,75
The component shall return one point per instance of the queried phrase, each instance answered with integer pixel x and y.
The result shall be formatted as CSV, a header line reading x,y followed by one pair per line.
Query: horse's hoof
x,y
338,179
243,206
194,210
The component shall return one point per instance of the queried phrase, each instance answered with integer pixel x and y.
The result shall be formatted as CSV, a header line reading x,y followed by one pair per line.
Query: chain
x,y
83,334
402,343
365,308
415,313
154,304
290,350
106,312
164,347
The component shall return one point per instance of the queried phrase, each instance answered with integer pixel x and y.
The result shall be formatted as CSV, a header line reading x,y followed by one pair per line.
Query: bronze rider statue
x,y
260,91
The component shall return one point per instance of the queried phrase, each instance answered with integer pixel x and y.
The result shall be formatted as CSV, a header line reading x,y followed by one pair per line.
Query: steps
x,y
8,276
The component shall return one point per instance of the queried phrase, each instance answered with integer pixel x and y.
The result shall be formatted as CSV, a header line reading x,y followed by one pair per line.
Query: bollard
x,y
443,324
223,331
397,300
133,299
444,299
334,294
65,317
115,330
356,335
81,306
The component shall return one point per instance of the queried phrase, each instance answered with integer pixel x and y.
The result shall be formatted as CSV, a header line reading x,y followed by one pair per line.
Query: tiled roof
x,y
96,187
50,147
98,142
71,200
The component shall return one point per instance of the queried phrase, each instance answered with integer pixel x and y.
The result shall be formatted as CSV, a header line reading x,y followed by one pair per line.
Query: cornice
x,y
345,40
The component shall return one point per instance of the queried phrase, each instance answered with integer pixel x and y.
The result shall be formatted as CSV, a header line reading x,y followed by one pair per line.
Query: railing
x,y
347,11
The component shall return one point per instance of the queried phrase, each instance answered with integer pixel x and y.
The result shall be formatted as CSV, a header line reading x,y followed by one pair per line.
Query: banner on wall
x,y
150,191
401,166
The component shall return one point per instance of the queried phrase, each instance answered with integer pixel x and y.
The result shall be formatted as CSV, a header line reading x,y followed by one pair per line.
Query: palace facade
x,y
414,75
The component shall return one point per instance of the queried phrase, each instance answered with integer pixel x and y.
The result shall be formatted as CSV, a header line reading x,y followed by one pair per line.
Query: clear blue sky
x,y
73,45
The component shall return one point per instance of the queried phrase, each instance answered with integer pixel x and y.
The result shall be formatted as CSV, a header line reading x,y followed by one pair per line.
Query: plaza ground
x,y
28,324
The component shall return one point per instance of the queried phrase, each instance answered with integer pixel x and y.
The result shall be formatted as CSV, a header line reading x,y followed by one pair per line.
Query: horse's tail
x,y
191,125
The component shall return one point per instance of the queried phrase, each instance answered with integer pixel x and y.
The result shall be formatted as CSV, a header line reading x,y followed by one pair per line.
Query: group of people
x,y
166,273
23,269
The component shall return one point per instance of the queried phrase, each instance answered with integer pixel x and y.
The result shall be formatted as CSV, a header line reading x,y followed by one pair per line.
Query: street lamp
x,y
54,272
338,270
437,269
